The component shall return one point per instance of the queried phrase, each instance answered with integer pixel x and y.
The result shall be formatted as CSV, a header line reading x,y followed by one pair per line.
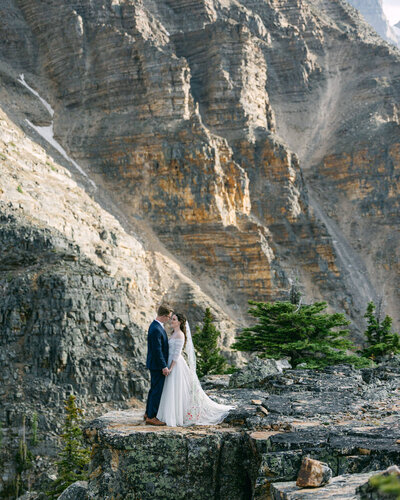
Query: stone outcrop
x,y
131,460
261,443
343,487
256,371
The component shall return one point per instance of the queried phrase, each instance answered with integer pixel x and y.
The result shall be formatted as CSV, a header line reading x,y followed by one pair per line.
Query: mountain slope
x,y
373,13
184,119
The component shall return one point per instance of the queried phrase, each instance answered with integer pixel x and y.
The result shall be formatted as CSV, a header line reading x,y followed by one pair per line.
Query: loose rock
x,y
313,474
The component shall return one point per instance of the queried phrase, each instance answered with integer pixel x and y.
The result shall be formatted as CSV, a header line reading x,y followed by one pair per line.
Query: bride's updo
x,y
182,322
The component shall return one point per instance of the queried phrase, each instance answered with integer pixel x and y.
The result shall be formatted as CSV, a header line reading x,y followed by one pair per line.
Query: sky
x,y
392,10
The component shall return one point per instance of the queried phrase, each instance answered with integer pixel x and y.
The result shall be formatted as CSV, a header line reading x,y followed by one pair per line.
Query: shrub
x,y
305,333
388,485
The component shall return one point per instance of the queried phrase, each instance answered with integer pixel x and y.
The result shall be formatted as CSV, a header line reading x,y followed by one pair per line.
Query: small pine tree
x,y
294,291
205,341
23,460
34,429
388,485
74,457
380,338
304,333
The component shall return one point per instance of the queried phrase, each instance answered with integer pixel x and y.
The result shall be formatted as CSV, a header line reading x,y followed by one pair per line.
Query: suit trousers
x,y
156,387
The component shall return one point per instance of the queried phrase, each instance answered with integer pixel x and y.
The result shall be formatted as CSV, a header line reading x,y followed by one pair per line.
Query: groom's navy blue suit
x,y
157,359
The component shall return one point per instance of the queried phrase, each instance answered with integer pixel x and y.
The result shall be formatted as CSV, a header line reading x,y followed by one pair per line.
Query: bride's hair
x,y
182,322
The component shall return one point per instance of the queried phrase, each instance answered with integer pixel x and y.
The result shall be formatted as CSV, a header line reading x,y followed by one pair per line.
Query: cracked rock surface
x,y
261,442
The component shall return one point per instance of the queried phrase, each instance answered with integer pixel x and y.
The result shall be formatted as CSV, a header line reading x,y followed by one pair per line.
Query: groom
x,y
157,362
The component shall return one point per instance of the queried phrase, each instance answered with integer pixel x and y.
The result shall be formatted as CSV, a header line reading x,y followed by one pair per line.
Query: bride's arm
x,y
178,345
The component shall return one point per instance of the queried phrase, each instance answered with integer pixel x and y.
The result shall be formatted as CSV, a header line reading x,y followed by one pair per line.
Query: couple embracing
x,y
176,397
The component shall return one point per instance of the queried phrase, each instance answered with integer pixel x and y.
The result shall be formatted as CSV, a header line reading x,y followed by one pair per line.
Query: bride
x,y
183,401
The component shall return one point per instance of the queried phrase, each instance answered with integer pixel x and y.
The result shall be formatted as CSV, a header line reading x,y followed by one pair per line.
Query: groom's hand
x,y
165,371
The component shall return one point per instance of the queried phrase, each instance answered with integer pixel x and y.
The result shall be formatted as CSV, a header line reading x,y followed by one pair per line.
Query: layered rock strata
x,y
184,119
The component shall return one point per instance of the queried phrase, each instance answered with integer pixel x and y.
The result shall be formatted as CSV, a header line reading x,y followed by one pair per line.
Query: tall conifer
x,y
205,340
381,340
74,456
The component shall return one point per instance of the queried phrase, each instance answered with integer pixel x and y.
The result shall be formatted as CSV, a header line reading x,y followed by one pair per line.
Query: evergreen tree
x,y
385,485
205,341
74,457
34,429
380,338
305,333
23,460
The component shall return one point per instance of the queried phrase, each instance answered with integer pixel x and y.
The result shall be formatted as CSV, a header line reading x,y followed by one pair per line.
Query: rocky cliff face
x,y
373,13
76,295
190,122
343,417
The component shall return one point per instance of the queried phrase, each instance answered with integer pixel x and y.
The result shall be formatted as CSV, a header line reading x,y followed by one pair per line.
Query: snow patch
x,y
21,79
48,133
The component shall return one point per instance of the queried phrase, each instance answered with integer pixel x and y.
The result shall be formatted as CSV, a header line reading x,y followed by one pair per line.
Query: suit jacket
x,y
157,347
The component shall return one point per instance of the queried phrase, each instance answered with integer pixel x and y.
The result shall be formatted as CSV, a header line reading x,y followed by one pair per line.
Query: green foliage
x,y
74,456
19,189
386,484
381,340
305,333
23,461
24,457
205,341
34,428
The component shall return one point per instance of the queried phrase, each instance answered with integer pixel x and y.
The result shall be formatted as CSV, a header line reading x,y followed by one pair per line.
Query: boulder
x,y
76,491
256,371
215,381
313,474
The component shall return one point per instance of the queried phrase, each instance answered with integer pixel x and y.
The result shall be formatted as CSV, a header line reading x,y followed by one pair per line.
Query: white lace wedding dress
x,y
183,401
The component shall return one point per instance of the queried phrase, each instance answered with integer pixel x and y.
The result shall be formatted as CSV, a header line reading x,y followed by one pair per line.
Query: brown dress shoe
x,y
145,416
154,421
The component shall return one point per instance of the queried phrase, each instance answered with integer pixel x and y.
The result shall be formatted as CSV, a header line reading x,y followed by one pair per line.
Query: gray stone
x,y
76,491
341,487
313,474
256,371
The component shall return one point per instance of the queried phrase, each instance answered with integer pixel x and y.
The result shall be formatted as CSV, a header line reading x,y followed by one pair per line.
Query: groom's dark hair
x,y
164,310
